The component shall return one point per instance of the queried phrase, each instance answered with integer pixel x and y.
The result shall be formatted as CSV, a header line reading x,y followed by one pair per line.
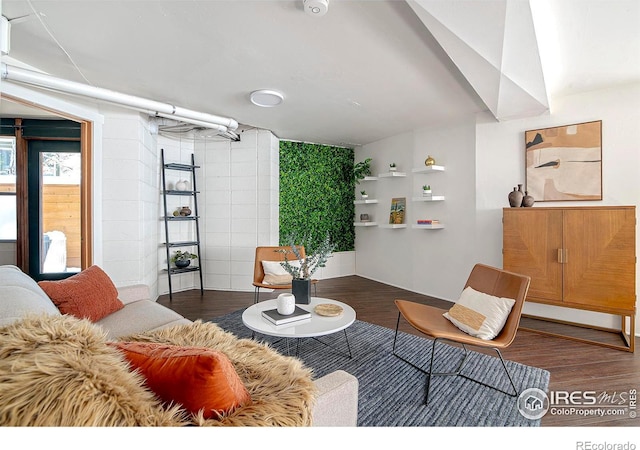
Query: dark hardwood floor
x,y
574,366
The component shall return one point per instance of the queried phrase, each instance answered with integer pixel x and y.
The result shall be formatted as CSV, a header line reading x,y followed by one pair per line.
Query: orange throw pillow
x,y
199,378
89,294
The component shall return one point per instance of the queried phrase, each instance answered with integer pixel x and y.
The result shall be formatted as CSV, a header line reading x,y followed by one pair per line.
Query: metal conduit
x,y
154,108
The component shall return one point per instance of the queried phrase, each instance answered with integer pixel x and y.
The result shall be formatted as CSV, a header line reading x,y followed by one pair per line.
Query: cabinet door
x,y
600,258
531,239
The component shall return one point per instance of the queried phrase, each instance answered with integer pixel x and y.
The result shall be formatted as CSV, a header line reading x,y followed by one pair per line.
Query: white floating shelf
x,y
429,198
428,169
394,225
365,201
392,174
365,224
437,226
370,179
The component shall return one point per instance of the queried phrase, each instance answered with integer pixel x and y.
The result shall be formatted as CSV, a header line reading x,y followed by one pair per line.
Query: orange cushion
x,y
199,378
89,294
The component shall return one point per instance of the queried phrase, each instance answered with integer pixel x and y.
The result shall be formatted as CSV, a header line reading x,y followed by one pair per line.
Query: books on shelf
x,y
275,318
428,221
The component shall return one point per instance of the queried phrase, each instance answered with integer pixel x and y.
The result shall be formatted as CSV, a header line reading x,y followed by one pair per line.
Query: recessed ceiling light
x,y
266,98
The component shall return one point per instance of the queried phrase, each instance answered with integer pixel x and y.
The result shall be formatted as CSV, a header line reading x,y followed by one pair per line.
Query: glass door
x,y
54,198
8,222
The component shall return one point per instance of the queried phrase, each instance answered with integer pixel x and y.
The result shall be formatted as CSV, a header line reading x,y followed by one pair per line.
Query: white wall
x,y
239,184
431,262
129,199
484,160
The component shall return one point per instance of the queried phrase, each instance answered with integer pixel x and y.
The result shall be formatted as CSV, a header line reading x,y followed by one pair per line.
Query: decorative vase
x,y
392,169
527,200
429,161
301,290
181,185
286,304
515,197
364,218
182,263
185,211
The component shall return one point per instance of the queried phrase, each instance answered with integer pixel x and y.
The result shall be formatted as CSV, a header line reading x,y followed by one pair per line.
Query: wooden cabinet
x,y
577,257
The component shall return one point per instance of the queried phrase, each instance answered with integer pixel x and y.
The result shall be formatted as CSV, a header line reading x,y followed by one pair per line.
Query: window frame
x,y
86,151
14,194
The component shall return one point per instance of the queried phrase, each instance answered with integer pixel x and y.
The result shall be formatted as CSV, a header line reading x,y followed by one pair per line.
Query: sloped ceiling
x,y
364,71
485,41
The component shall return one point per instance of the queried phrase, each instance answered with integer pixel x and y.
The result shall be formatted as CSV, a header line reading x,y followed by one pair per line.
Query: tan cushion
x,y
479,314
277,279
139,316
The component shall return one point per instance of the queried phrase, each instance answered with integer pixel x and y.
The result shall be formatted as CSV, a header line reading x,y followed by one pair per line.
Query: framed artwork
x,y
565,163
398,206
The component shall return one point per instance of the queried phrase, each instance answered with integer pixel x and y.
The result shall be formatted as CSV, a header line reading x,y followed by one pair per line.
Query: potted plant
x,y
426,189
302,270
364,194
361,170
392,167
183,259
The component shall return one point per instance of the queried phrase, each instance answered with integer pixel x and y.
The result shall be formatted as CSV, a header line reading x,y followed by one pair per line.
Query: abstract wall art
x,y
565,163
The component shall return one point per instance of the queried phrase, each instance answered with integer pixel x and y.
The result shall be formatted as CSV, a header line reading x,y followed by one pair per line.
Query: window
x,y
8,221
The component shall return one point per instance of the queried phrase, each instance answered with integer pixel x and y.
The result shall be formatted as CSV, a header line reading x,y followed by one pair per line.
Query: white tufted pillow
x,y
479,314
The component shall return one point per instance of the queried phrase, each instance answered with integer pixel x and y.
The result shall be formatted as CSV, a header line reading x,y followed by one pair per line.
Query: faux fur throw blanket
x,y
59,371
281,387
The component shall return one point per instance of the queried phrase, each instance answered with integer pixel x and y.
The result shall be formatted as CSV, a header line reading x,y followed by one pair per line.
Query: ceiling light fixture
x,y
266,98
316,8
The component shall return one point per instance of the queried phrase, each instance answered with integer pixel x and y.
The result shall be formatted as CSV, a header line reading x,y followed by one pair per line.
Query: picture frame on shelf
x,y
398,209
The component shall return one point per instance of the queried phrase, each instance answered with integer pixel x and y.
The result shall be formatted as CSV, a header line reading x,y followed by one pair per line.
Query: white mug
x,y
286,304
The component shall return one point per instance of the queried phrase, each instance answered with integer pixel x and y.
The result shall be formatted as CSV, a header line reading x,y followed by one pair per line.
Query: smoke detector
x,y
316,8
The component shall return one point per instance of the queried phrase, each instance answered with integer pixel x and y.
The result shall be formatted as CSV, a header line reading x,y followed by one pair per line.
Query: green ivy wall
x,y
316,194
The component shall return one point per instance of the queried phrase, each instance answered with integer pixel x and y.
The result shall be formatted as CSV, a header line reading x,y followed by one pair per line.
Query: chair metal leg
x,y
256,294
457,371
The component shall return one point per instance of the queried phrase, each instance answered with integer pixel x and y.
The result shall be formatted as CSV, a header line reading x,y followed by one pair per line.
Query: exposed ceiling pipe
x,y
220,128
151,107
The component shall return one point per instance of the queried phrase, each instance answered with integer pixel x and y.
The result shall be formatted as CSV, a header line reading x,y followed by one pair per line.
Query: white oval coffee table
x,y
314,327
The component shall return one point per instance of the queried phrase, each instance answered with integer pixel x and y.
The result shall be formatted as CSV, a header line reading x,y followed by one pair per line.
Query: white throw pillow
x,y
274,272
479,314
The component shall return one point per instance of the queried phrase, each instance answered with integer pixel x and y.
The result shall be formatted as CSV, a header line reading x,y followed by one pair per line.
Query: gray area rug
x,y
391,392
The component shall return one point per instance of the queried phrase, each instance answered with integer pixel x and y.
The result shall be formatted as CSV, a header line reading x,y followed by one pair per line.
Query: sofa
x,y
45,354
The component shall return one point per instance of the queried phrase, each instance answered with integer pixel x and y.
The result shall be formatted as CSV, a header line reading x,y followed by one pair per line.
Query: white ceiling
x,y
364,71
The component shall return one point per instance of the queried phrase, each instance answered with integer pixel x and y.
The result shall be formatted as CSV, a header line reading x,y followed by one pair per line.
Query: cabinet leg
x,y
632,335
